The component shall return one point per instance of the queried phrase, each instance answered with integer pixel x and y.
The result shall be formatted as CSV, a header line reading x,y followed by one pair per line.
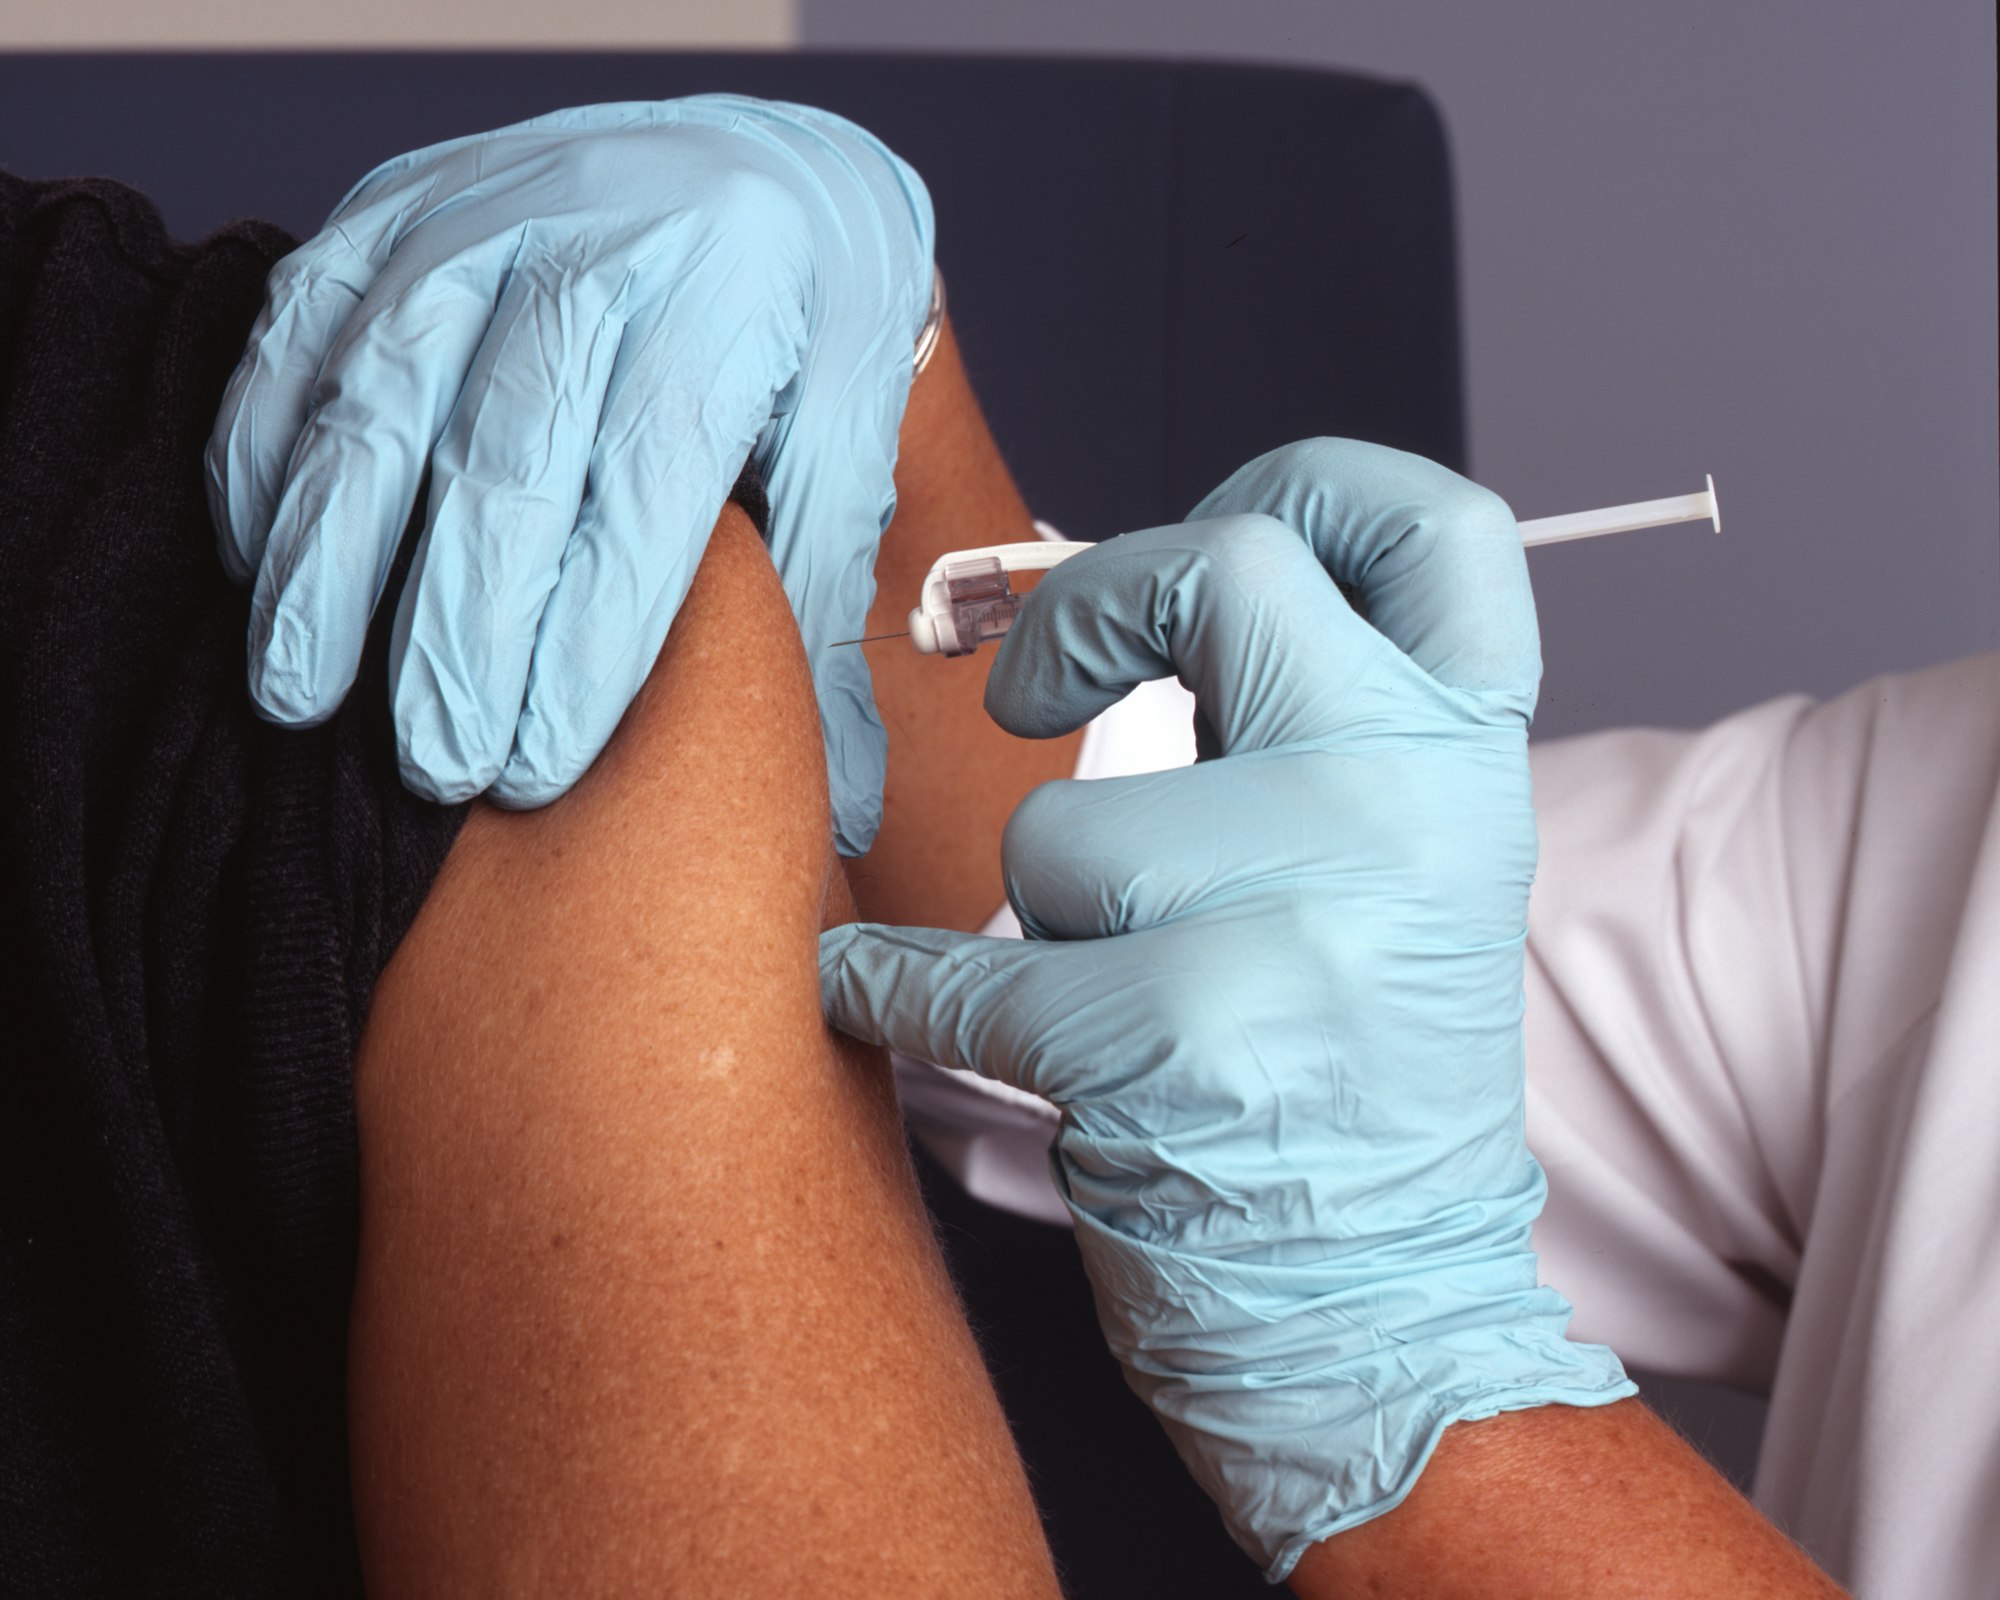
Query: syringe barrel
x,y
980,605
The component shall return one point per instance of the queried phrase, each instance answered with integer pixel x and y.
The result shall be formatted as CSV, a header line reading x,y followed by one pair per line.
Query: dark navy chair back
x,y
1158,270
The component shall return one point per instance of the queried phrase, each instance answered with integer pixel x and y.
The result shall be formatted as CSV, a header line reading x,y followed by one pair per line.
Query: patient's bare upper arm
x,y
646,1297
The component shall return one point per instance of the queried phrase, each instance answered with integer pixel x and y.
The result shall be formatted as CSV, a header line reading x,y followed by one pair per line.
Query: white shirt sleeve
x,y
1763,1079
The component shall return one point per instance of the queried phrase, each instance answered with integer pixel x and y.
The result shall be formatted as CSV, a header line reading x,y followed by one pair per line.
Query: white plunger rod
x,y
1703,507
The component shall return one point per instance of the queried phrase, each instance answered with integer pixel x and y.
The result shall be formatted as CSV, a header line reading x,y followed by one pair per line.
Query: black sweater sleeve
x,y
194,909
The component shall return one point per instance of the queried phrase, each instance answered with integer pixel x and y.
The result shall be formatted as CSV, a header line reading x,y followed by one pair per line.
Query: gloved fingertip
x,y
843,983
857,752
834,945
235,564
281,696
439,784
854,830
521,787
231,547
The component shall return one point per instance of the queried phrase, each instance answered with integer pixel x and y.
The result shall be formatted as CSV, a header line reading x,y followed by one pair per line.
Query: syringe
x,y
968,596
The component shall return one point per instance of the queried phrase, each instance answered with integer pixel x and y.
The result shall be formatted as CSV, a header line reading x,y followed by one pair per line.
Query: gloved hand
x,y
1277,995
581,325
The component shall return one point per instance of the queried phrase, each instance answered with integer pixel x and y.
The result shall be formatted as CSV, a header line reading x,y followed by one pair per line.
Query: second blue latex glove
x,y
1278,995
579,326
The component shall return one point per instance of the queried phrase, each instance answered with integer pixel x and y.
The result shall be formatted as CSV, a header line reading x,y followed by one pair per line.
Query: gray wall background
x,y
1747,237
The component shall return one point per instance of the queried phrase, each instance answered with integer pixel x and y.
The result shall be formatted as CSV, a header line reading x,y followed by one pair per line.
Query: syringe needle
x,y
870,639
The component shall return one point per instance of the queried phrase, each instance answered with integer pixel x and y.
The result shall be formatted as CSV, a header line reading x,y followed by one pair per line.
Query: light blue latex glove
x,y
581,325
1277,995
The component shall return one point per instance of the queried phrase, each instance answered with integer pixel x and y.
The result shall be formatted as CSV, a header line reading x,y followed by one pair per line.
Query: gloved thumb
x,y
958,999
1237,607
1437,559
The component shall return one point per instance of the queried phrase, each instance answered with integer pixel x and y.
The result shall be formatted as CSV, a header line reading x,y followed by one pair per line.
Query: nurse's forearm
x,y
1564,1503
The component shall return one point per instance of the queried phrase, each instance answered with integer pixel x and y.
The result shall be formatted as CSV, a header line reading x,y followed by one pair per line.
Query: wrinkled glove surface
x,y
1278,995
579,327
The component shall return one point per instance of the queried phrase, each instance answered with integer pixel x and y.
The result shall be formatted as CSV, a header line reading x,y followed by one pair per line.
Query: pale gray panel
x,y
394,24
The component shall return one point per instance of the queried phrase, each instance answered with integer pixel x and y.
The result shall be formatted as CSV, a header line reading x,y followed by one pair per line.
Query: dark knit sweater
x,y
194,907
